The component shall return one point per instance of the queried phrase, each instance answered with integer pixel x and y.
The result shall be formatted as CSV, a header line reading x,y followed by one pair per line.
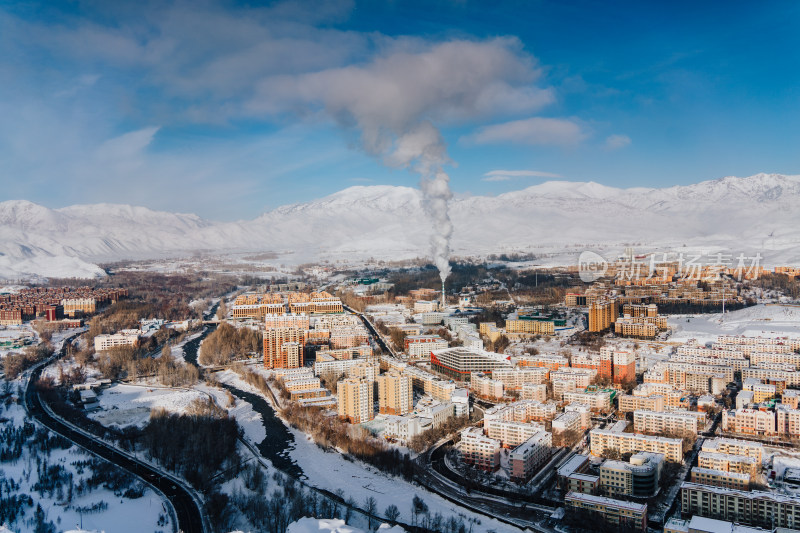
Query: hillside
x,y
757,213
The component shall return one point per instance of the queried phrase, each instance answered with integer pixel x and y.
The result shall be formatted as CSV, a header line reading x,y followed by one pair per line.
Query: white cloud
x,y
614,142
506,175
531,131
445,82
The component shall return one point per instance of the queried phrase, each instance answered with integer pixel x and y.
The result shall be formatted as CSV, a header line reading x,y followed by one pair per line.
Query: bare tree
x,y
392,512
371,507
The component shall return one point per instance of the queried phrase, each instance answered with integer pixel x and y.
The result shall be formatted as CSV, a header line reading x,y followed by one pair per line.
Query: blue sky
x,y
227,110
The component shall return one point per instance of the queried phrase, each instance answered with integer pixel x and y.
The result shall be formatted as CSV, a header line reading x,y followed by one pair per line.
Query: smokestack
x,y
444,302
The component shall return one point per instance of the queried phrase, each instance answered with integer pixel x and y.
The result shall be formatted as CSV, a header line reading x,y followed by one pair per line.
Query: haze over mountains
x,y
757,213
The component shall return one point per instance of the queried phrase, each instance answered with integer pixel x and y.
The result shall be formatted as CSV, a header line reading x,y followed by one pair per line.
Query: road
x,y
188,511
375,334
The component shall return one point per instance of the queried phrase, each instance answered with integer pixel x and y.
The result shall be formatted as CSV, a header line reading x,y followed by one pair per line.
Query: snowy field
x,y
129,405
124,405
113,512
764,320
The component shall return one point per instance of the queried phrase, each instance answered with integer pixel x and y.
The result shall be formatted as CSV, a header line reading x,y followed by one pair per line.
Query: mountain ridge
x,y
388,221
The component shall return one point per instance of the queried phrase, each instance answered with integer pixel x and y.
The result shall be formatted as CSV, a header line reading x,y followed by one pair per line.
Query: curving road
x,y
187,509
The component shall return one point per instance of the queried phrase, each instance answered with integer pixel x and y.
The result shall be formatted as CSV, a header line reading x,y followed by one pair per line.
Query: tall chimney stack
x,y
444,301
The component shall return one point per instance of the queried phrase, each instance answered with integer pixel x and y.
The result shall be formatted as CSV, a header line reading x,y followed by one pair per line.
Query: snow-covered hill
x,y
758,213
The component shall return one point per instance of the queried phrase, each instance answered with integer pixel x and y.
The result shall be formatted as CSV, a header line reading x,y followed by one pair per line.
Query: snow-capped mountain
x,y
736,214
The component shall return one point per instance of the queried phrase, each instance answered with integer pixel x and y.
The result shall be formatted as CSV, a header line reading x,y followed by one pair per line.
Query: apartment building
x,y
362,351
624,366
770,344
738,464
720,478
529,456
287,321
365,370
550,362
640,310
78,307
597,401
534,391
568,421
582,377
422,350
301,383
749,421
602,314
673,398
787,420
736,364
761,391
516,378
602,439
335,366
583,410
754,508
511,434
638,477
790,358
530,326
636,328
277,355
561,386
767,375
594,362
435,410
459,363
573,299
479,450
734,447
355,400
486,387
665,422
610,511
395,394
628,403
790,398
124,337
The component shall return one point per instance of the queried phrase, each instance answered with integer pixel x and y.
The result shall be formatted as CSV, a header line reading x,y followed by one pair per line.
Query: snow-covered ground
x,y
124,405
764,320
314,525
24,334
115,512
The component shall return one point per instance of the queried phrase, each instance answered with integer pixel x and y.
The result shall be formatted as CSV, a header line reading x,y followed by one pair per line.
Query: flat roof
x,y
572,464
602,500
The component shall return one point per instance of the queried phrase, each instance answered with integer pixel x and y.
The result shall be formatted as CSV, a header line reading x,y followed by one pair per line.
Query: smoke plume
x,y
394,99
423,149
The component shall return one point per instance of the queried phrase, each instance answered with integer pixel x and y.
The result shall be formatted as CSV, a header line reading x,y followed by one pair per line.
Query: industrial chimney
x,y
444,301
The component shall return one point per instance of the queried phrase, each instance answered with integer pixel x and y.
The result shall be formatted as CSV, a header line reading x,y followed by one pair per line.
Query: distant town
x,y
518,398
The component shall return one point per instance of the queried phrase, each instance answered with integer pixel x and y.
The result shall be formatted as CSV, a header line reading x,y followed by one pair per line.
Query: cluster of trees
x,y
330,432
499,345
195,446
228,343
566,438
787,285
15,364
688,308
592,341
426,439
46,329
133,363
289,501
